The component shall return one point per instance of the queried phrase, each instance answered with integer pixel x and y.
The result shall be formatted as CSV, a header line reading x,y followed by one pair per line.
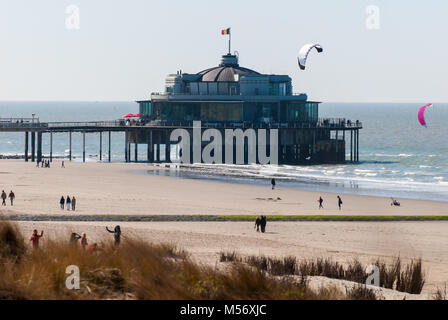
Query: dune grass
x,y
137,270
409,278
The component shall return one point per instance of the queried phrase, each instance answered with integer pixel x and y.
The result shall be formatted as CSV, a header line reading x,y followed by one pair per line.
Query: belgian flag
x,y
225,31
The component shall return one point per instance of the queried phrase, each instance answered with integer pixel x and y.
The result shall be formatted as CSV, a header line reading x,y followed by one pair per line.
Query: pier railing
x,y
331,123
87,124
21,123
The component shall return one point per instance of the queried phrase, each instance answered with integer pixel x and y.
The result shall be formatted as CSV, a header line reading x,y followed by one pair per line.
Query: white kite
x,y
305,50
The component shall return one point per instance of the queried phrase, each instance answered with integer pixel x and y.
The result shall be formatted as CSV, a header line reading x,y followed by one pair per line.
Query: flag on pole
x,y
225,31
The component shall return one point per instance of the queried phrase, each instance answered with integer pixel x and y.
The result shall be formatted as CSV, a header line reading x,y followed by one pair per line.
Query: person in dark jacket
x,y
117,234
339,202
257,224
12,196
73,203
4,198
263,224
320,200
62,202
273,183
68,202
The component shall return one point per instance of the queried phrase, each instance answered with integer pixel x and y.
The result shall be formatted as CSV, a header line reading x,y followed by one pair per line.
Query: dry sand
x,y
117,189
103,188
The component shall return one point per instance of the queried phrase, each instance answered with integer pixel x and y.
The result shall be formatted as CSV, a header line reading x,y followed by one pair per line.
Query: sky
x,y
123,50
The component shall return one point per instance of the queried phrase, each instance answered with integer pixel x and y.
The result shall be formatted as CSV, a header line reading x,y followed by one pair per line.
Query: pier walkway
x,y
135,130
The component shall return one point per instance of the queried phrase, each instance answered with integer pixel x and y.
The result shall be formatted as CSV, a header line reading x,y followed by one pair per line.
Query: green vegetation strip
x,y
192,218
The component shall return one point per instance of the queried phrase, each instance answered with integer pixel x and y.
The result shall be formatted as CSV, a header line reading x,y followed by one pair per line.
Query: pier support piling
x,y
351,145
101,146
70,146
51,146
150,151
126,146
26,145
39,146
136,152
109,145
167,147
83,146
33,146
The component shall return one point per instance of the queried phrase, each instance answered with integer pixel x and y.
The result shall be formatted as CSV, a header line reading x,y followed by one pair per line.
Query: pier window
x,y
145,109
299,112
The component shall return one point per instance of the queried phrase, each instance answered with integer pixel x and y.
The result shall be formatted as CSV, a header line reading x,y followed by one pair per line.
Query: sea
x,y
398,157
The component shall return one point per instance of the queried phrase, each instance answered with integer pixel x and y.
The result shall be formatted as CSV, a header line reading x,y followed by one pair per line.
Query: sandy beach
x,y
115,189
103,188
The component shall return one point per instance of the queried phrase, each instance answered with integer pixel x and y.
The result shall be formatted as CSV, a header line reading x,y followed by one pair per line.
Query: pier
x,y
299,143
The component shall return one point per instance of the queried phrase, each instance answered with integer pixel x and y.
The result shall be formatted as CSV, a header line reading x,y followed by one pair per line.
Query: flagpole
x,y
230,39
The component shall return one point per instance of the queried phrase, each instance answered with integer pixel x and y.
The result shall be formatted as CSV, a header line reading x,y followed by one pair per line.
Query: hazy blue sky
x,y
124,49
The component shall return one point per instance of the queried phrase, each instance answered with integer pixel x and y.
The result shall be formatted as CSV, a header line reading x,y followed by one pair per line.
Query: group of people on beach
x,y
43,164
75,237
321,201
68,203
11,197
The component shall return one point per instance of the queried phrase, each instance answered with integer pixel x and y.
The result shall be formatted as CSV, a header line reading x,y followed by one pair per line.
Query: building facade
x,y
230,96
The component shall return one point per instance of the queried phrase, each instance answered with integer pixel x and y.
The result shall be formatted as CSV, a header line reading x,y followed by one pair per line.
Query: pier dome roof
x,y
226,70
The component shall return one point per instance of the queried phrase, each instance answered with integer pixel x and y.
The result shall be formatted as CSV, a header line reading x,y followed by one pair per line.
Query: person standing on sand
x,y
73,203
263,223
35,238
273,183
62,202
68,203
117,234
12,197
84,241
3,198
62,166
257,224
320,203
339,202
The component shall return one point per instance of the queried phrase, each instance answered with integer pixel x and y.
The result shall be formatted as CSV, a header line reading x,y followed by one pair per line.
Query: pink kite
x,y
421,114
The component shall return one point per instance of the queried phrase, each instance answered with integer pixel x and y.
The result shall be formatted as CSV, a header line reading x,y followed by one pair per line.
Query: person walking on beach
x,y
339,202
3,198
35,238
74,237
320,203
84,241
68,203
62,202
273,183
12,197
257,224
263,223
73,203
117,234
62,166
